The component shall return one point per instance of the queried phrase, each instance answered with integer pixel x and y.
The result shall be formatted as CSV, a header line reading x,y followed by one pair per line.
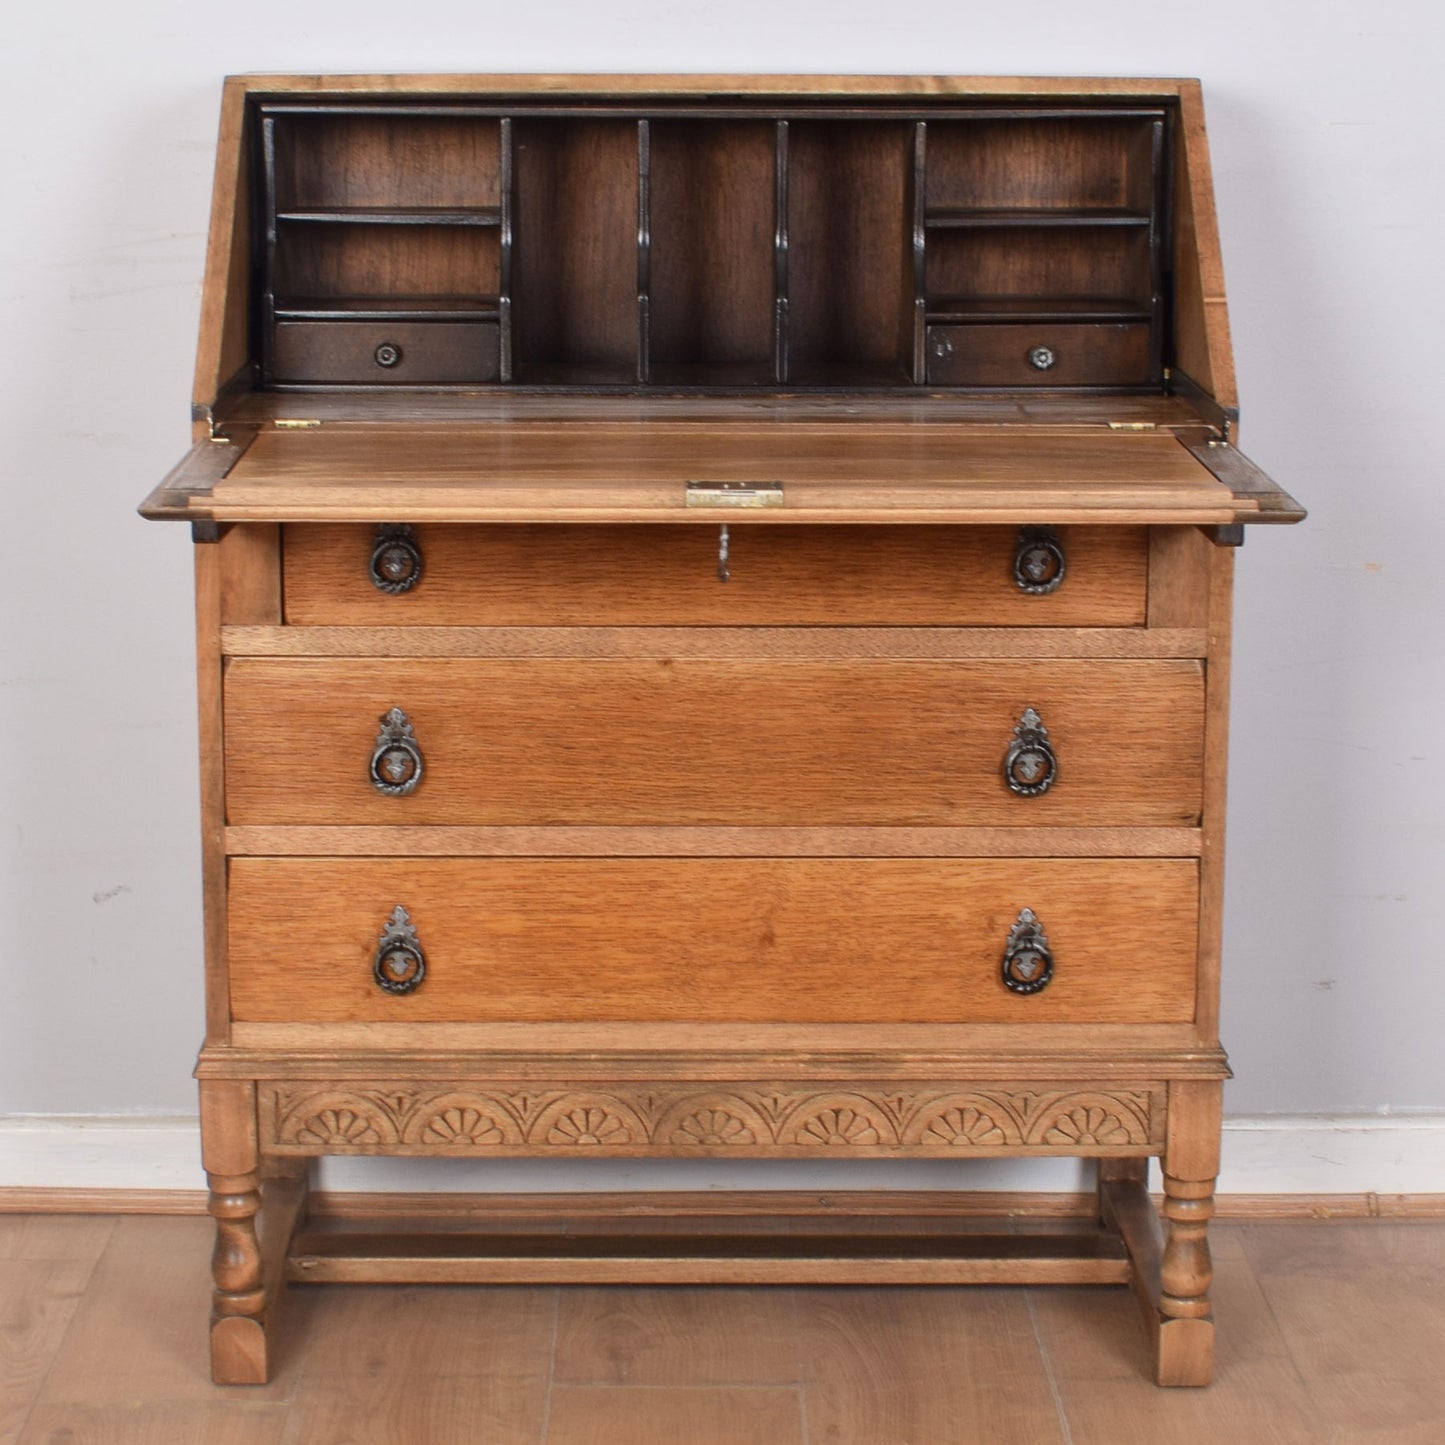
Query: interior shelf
x,y
399,215
958,216
387,308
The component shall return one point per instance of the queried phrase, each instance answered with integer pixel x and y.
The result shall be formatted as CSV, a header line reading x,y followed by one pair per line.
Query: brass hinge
x,y
291,423
1133,426
734,494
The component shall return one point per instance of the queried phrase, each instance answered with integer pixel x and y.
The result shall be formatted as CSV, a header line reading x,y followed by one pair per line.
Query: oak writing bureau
x,y
713,599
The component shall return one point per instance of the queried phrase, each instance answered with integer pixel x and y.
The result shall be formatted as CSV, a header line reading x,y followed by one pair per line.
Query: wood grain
x,y
38,1299
620,472
581,1415
390,1406
560,575
713,940
923,643
431,841
898,1365
543,742
712,247
576,239
222,347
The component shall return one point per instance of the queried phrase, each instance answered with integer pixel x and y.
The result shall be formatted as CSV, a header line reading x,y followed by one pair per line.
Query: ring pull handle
x,y
400,964
396,564
1029,766
1028,965
396,761
1039,563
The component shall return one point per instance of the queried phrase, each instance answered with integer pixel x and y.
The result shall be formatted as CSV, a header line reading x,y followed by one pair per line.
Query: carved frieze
x,y
688,1117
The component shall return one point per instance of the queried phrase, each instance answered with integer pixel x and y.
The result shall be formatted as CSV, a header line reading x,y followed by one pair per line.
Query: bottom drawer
x,y
807,940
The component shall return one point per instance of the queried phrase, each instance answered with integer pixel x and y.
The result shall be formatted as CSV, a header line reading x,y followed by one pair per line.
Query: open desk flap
x,y
629,471
1247,482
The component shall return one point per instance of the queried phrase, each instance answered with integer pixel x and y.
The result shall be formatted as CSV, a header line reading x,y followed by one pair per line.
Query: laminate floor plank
x,y
38,1299
1361,1308
140,1332
1330,1333
55,1236
646,1415
677,1335
395,1409
423,1332
221,1422
923,1365
1100,1362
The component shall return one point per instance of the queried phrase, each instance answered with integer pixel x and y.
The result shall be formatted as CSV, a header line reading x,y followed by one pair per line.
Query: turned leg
x,y
238,1304
1185,1350
229,1152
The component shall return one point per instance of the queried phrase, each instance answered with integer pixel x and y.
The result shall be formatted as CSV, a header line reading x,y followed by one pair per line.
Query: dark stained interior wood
x,y
575,276
1038,264
850,285
386,160
1040,164
712,226
335,259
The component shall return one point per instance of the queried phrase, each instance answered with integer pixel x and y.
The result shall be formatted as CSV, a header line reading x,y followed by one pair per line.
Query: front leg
x,y
1185,1354
238,1312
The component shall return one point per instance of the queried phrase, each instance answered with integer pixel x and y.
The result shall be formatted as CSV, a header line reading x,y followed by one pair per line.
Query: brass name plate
x,y
734,494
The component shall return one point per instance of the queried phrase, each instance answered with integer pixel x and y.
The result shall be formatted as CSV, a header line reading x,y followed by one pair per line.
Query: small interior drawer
x,y
711,940
1042,354
385,353
779,575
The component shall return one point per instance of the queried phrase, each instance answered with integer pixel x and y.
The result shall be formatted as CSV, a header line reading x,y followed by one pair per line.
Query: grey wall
x,y
1327,138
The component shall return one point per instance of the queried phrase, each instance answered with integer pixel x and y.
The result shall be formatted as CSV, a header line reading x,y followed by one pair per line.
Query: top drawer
x,y
779,575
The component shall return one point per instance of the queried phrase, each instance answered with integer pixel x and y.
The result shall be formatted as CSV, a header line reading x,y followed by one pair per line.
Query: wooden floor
x,y
1329,1332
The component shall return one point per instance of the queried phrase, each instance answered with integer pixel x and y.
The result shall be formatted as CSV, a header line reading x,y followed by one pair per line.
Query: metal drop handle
x,y
396,761
400,964
1039,562
396,561
1029,766
1028,964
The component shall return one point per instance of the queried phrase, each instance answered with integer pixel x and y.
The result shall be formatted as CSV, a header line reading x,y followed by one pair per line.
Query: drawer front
x,y
703,742
713,940
1046,354
537,576
385,353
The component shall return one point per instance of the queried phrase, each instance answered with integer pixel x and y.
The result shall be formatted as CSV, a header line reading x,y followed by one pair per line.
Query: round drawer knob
x,y
1029,766
1041,358
1027,963
1039,563
400,965
388,354
395,560
396,761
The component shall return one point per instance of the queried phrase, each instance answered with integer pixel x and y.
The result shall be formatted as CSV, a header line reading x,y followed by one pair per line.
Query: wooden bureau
x,y
713,603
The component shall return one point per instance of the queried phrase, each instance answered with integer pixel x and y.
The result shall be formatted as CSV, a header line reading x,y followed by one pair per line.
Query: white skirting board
x,y
1271,1154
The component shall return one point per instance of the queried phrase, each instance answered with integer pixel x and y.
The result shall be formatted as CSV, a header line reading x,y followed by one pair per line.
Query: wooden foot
x,y
238,1306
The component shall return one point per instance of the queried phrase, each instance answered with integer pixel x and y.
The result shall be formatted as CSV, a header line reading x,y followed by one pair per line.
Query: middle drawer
x,y
688,741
